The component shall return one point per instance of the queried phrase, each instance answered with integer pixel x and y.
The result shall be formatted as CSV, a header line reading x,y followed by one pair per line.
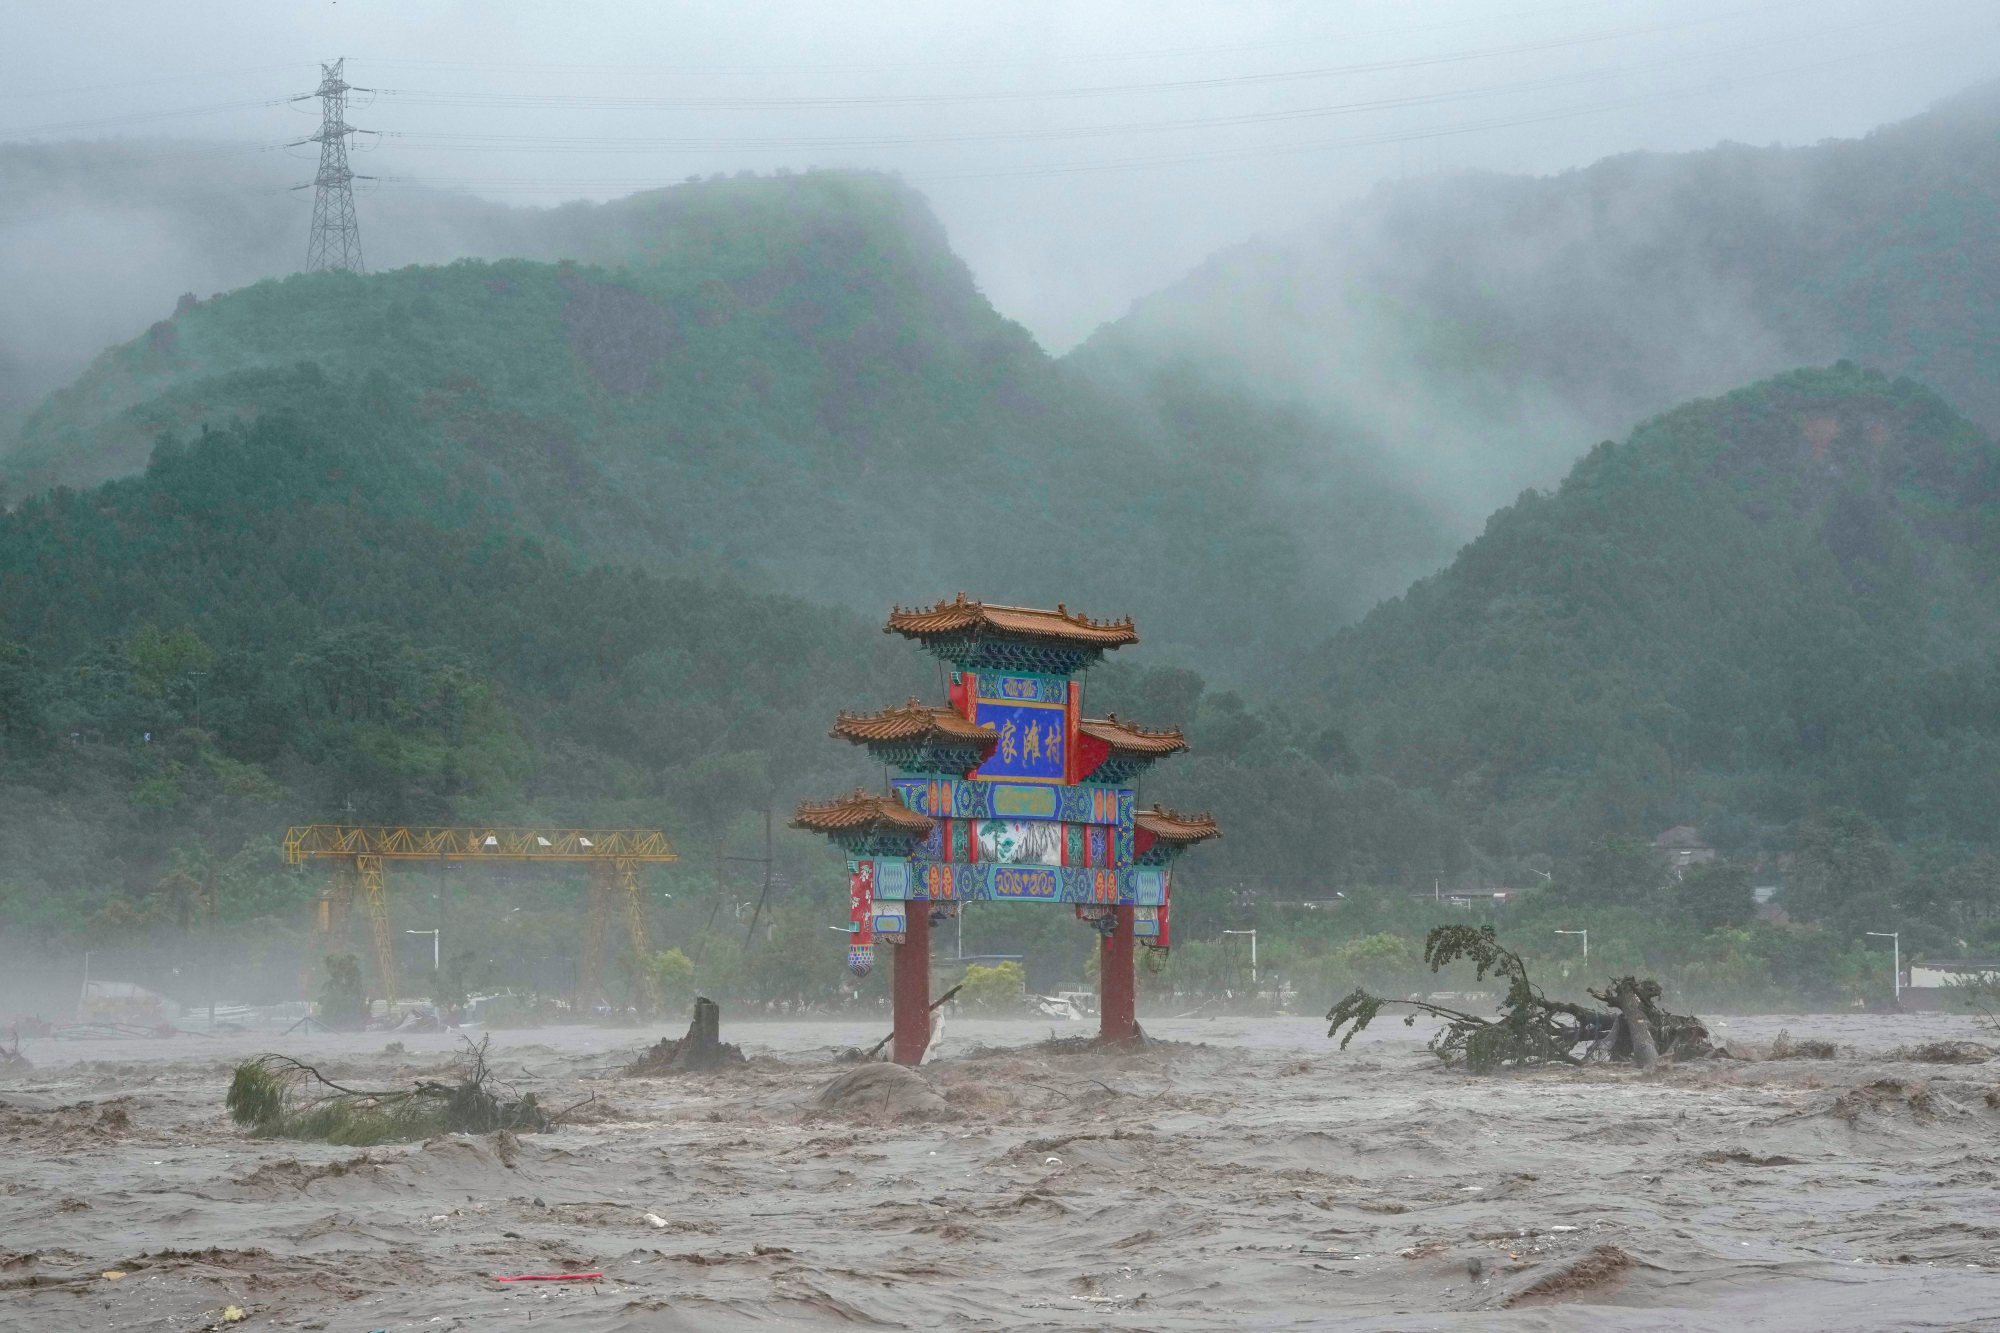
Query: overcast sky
x,y
1081,154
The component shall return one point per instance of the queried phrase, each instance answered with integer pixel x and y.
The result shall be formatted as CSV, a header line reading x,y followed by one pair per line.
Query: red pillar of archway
x,y
1117,1001
913,987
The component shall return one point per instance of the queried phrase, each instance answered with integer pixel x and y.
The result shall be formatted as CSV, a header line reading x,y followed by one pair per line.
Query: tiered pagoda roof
x,y
1174,828
1126,739
861,812
960,629
914,723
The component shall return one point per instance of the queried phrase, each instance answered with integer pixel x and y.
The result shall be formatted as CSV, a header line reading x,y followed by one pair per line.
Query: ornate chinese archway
x,y
1005,793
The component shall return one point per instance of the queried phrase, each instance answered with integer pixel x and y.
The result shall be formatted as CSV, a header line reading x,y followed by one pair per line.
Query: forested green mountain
x,y
1773,616
302,618
1775,603
1480,326
792,382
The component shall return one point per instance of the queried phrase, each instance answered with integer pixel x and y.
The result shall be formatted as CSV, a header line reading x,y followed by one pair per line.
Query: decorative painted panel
x,y
890,918
1022,882
1020,842
892,880
1028,689
1149,887
860,915
983,882
968,798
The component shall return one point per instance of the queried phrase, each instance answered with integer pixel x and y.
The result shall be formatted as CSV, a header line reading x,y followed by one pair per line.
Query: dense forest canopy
x,y
792,382
1755,606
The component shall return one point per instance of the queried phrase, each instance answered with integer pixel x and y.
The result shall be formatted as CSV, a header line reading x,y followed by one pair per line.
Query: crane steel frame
x,y
358,851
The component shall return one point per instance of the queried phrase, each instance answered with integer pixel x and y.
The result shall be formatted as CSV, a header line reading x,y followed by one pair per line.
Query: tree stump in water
x,y
701,1048
1637,1030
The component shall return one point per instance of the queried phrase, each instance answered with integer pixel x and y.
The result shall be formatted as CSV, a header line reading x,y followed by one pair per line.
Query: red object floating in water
x,y
550,1277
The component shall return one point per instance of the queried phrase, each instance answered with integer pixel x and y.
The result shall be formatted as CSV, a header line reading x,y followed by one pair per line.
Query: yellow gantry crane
x,y
358,851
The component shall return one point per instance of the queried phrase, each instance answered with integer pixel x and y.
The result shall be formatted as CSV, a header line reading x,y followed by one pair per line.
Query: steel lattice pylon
x,y
335,243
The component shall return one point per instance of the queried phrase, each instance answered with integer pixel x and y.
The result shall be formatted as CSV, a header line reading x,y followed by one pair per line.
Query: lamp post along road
x,y
1895,938
1586,943
434,934
83,995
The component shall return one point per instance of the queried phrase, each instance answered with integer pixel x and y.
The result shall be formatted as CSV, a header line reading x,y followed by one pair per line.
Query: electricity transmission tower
x,y
336,235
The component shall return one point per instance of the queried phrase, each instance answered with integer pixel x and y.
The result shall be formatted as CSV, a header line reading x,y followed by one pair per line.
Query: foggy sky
x,y
1061,143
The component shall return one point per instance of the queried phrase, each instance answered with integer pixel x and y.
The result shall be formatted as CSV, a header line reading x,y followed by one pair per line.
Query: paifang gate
x,y
1005,793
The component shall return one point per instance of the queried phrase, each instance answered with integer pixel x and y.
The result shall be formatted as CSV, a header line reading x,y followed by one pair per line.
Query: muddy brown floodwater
x,y
1244,1174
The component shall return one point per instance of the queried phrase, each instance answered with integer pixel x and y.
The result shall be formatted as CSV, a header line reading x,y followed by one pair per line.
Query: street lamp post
x,y
1586,943
1895,938
434,934
1253,953
84,994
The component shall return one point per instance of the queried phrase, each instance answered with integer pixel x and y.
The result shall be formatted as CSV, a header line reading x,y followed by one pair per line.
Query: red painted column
x,y
913,987
1117,1001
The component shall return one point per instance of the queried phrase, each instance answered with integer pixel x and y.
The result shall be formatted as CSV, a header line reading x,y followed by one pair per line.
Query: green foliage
x,y
999,987
342,1003
1531,1028
256,1097
674,974
275,1096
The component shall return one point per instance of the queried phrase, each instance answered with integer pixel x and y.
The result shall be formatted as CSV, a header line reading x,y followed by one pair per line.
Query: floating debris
x,y
276,1096
1532,1028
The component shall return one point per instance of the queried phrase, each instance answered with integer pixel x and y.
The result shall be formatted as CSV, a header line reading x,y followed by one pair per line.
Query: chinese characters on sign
x,y
1032,740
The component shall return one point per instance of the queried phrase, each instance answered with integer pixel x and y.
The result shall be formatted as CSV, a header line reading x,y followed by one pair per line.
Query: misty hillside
x,y
99,239
295,617
793,382
309,615
1481,327
1760,606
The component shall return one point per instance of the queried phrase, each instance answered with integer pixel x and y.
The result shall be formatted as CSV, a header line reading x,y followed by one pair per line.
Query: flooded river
x,y
1243,1173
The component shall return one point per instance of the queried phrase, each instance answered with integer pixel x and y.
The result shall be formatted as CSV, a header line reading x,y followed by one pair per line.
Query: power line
x,y
547,185
140,117
17,94
492,142
1344,37
617,102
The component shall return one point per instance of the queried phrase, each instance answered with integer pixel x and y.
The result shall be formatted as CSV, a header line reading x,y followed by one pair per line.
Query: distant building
x,y
1681,846
1935,985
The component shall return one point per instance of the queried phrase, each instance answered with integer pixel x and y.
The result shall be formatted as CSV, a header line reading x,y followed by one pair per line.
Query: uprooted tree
x,y
275,1096
1531,1028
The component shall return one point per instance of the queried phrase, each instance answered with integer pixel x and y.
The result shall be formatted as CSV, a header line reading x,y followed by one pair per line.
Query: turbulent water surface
x,y
1243,1173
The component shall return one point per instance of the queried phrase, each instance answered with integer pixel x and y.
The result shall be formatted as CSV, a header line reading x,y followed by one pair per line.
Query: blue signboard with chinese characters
x,y
1032,730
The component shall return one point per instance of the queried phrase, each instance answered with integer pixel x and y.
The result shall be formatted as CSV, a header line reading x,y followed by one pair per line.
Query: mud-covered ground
x,y
1242,1174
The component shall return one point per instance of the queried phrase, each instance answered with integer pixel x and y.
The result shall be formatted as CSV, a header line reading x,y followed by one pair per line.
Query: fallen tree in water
x,y
275,1096
1532,1028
